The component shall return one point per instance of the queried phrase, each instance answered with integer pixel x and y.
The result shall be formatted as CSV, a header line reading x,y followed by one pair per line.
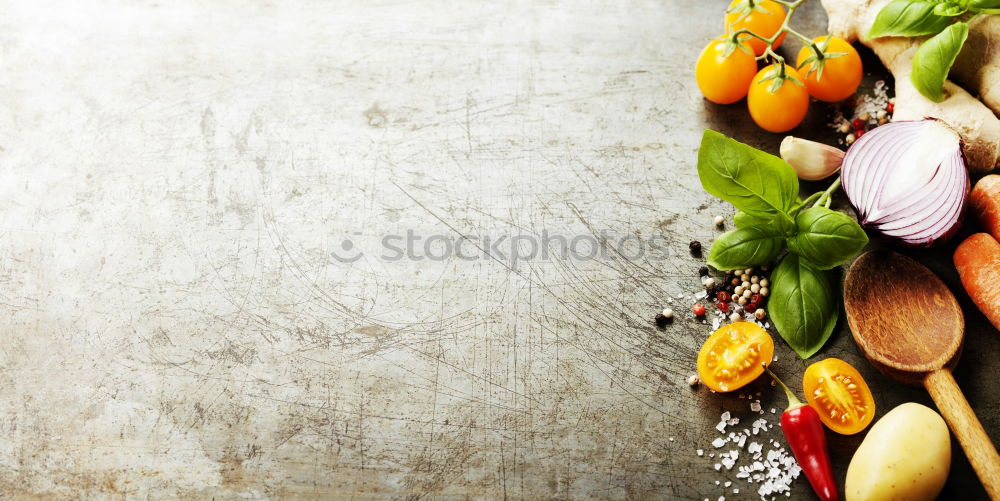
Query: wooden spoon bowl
x,y
919,344
904,319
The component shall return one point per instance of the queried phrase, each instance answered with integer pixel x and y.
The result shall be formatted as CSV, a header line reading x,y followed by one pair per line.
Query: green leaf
x,y
934,58
746,247
802,305
906,18
826,238
950,9
755,182
984,4
742,219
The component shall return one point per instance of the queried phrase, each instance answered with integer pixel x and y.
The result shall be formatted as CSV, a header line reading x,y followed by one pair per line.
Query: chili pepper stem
x,y
793,401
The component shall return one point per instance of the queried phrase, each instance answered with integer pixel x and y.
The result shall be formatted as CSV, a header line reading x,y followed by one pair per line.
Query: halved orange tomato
x,y
731,357
840,395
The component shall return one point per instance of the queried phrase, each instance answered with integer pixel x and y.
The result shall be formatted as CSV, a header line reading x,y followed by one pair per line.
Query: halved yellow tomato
x,y
731,357
840,395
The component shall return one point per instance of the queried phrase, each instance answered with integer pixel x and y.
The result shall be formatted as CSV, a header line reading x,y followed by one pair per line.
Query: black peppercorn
x,y
703,271
661,320
695,247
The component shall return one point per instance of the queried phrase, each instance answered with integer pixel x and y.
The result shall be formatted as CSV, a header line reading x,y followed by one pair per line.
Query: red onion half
x,y
907,181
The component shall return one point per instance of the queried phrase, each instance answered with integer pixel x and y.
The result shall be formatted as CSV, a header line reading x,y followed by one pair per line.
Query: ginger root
x,y
977,67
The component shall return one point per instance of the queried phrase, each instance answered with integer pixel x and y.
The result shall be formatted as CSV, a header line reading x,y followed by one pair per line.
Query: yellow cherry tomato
x,y
781,110
724,79
840,395
765,19
841,75
731,357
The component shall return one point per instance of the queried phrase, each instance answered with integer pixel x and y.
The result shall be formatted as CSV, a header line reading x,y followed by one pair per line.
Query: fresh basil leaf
x,y
742,219
934,58
754,182
826,238
906,18
746,247
802,305
950,9
984,4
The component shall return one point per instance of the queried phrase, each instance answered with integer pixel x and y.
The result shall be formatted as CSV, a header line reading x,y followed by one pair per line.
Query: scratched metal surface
x,y
183,318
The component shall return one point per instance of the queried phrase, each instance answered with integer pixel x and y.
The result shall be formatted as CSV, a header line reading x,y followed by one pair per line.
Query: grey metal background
x,y
177,176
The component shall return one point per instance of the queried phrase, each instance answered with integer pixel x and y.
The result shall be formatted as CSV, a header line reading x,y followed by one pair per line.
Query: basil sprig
x,y
773,224
946,20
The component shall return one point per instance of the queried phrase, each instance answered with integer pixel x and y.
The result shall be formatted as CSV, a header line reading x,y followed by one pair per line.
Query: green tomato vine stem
x,y
791,6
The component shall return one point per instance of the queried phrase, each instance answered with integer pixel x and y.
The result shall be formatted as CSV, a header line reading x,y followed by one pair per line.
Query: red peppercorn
x,y
752,306
698,309
858,133
755,298
858,124
722,296
889,108
723,307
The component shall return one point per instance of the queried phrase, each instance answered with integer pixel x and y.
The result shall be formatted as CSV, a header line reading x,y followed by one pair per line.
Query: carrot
x,y
985,203
978,263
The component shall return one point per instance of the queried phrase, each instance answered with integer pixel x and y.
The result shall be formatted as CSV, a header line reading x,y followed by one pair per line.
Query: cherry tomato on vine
x,y
782,109
731,357
840,395
840,75
724,79
764,18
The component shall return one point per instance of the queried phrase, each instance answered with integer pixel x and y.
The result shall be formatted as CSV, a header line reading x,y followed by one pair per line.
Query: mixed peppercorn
x,y
736,293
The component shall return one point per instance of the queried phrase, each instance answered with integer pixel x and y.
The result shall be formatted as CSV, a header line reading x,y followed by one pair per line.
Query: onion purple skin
x,y
876,175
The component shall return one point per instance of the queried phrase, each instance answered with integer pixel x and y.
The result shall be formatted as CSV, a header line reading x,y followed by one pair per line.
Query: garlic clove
x,y
812,161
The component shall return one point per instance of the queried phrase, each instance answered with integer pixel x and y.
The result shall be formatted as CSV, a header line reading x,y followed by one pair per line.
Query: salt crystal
x,y
772,410
718,466
700,452
721,427
719,442
727,484
755,406
701,295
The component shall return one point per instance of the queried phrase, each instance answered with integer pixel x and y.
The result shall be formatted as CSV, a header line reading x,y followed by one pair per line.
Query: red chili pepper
x,y
804,431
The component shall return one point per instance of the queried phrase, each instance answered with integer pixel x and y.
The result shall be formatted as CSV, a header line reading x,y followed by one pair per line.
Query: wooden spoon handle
x,y
966,427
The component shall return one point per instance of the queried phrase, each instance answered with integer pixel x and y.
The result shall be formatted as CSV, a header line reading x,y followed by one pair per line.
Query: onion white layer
x,y
908,181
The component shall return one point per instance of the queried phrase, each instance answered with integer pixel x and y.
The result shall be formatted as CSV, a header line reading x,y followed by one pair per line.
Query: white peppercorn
x,y
755,288
760,313
747,293
764,282
764,291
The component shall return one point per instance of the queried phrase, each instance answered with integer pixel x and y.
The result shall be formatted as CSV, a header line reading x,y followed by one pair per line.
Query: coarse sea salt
x,y
769,465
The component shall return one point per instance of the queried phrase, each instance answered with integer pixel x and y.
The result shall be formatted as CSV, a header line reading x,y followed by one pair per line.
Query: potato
x,y
906,456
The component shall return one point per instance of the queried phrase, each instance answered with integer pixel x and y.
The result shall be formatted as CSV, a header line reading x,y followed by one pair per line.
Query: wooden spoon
x,y
917,345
